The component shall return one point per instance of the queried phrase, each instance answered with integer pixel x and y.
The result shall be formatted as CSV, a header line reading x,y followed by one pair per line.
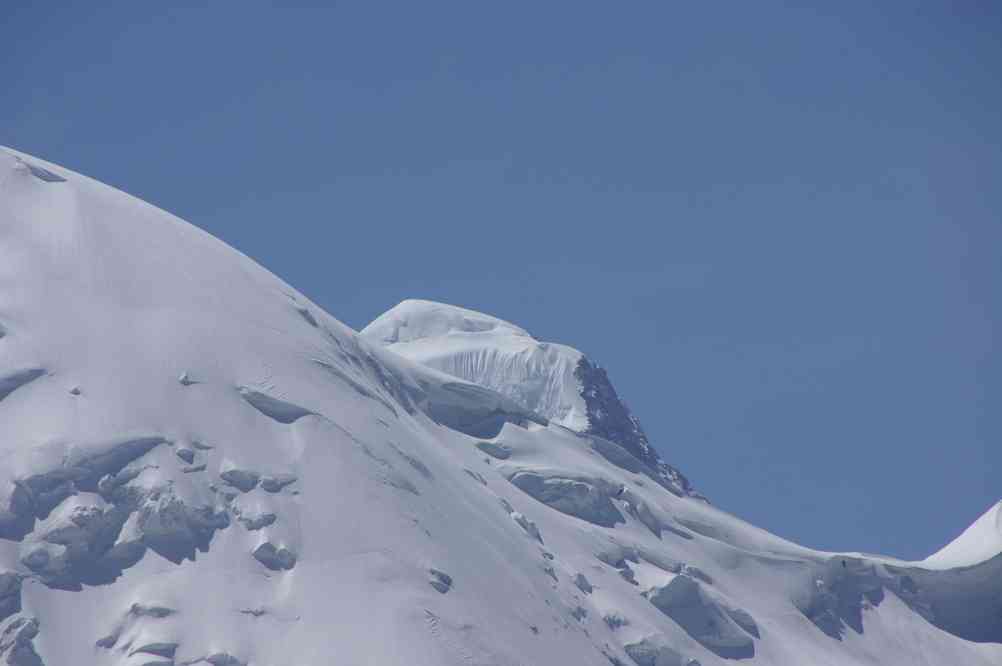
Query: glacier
x,y
201,466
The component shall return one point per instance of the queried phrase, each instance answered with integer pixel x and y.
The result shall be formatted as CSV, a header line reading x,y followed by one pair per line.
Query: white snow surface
x,y
201,466
979,542
487,351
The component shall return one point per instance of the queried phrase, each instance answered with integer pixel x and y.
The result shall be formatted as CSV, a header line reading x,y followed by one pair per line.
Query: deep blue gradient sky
x,y
778,227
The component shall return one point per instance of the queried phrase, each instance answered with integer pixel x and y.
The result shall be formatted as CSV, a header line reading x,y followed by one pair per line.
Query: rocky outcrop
x,y
610,419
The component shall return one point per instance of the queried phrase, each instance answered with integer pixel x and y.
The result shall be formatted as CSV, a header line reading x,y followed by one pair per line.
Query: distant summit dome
x,y
416,319
555,381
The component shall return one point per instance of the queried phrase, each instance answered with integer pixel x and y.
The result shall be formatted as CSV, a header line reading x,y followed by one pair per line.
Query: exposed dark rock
x,y
609,418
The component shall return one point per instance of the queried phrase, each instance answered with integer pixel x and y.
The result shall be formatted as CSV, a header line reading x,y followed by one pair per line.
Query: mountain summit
x,y
553,380
201,466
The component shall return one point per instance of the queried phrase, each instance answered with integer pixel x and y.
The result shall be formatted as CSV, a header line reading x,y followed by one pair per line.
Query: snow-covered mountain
x,y
555,381
200,466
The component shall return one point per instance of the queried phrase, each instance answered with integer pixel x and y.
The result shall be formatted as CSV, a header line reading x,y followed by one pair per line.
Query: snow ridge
x,y
978,543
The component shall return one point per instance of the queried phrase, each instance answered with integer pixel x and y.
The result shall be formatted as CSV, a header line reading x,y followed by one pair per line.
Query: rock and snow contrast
x,y
555,381
200,466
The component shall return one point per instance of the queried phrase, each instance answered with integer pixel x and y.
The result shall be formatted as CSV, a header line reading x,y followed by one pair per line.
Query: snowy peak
x,y
487,351
556,381
980,542
416,319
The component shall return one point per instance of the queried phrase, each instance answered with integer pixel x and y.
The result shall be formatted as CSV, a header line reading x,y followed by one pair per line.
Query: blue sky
x,y
777,226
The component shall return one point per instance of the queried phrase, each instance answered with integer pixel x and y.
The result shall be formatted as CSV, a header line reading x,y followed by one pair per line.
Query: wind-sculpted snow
x,y
588,500
201,466
94,516
273,408
12,381
34,497
475,411
38,172
651,652
686,602
244,480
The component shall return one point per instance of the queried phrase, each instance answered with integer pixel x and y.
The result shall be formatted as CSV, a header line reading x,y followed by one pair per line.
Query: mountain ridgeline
x,y
200,466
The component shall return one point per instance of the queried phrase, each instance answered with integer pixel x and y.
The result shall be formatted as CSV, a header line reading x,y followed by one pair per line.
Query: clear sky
x,y
778,227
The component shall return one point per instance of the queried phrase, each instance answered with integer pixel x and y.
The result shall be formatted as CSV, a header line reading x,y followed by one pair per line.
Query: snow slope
x,y
979,542
200,466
